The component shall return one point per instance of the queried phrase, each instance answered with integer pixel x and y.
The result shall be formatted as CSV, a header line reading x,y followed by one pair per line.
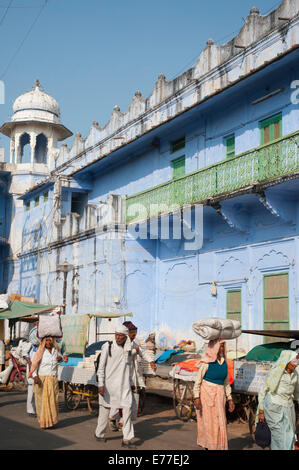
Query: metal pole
x,y
64,291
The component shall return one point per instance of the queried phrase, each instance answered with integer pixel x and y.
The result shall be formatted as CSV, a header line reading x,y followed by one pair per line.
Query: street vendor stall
x,y
79,375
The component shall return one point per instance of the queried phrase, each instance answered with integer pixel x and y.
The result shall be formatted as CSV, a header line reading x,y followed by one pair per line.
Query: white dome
x,y
36,105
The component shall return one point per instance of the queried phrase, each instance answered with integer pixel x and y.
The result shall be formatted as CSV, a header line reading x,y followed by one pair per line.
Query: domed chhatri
x,y
36,105
34,129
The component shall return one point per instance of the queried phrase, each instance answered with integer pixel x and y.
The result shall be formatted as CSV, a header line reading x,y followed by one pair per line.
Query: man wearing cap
x,y
115,381
138,379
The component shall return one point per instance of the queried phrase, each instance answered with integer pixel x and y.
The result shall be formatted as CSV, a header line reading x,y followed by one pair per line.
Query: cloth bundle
x,y
4,301
217,328
50,325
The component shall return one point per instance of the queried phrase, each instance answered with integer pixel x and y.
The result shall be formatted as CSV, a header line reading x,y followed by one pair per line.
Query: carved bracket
x,y
230,218
278,208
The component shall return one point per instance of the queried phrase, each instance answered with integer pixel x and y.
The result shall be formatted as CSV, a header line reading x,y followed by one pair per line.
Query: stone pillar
x,y
32,145
12,149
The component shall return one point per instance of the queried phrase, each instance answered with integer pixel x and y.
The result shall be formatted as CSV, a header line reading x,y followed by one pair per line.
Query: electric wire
x,y
24,39
6,11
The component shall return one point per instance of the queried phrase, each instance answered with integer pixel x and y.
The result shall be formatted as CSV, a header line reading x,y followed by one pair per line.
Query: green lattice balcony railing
x,y
264,163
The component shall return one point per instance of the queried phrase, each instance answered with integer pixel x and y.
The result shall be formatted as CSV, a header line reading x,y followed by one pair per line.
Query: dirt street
x,y
157,429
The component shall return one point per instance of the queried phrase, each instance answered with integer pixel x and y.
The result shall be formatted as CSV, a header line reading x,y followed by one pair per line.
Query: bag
x,y
49,325
97,361
262,435
217,328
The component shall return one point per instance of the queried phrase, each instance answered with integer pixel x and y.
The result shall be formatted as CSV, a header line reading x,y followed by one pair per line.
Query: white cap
x,y
120,328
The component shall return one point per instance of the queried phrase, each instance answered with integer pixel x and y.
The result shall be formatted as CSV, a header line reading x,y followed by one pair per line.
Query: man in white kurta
x,y
115,382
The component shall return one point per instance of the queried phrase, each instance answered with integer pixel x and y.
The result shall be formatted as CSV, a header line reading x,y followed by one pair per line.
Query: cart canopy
x,y
75,329
267,352
292,334
19,309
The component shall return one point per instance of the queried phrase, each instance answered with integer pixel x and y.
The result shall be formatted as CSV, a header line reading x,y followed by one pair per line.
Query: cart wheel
x,y
71,400
183,400
252,416
92,401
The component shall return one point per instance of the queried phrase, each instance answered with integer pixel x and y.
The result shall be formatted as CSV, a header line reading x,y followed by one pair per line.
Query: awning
x,y
109,315
19,309
293,334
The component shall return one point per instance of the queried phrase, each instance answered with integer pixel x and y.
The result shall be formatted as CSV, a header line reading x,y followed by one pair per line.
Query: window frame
x,y
231,153
265,322
176,161
178,144
230,291
270,122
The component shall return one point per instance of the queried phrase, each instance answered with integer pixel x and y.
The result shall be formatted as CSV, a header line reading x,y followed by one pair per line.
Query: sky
x,y
91,55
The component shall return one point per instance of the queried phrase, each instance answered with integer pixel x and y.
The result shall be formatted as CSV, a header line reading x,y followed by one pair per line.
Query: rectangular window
x,y
230,146
78,202
36,201
27,205
46,196
177,144
276,304
178,167
271,129
233,305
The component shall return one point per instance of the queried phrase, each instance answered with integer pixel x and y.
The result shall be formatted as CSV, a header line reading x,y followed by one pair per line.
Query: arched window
x,y
41,149
25,149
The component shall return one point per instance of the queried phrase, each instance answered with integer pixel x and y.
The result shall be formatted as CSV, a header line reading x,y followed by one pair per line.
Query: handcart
x,y
79,384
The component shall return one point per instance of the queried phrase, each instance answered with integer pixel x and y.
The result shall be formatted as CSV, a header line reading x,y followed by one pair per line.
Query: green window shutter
x,y
27,206
233,305
271,129
36,201
46,196
230,146
276,304
178,167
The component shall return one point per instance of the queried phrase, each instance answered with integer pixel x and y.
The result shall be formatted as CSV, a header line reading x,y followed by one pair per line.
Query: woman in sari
x,y
211,391
46,389
276,404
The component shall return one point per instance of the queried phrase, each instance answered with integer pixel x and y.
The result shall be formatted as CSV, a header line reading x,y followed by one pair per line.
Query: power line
x,y
28,6
23,41
6,11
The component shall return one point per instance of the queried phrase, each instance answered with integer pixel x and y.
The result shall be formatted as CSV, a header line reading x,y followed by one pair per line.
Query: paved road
x,y
157,429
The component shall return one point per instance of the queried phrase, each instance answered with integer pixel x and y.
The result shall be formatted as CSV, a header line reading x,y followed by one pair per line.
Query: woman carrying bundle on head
x,y
211,391
276,404
46,390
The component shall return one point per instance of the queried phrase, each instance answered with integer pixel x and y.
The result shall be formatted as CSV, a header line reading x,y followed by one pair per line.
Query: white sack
x,y
49,325
217,328
4,301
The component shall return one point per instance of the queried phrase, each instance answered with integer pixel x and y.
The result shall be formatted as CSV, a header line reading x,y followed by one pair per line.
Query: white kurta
x,y
115,373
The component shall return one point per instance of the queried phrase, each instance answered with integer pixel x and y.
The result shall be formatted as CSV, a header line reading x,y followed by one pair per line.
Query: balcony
x,y
261,165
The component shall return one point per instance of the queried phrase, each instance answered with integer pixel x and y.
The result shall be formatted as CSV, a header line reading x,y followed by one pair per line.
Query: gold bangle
x,y
261,412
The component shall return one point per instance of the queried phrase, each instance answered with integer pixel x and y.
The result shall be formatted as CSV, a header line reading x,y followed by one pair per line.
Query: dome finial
x,y
37,83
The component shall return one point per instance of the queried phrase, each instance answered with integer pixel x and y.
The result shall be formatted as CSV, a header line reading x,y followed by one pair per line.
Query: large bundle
x,y
50,325
217,328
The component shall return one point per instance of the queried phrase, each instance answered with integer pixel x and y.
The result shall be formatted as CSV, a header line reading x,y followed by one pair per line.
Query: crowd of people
x,y
121,385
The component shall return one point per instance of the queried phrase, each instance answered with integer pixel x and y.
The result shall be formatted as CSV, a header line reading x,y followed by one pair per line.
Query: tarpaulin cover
x,y
267,352
75,329
19,309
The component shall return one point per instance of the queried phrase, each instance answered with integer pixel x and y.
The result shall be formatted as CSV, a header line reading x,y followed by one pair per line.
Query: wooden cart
x,y
78,385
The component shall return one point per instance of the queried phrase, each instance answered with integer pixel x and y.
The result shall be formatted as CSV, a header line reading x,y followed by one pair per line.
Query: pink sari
x,y
211,421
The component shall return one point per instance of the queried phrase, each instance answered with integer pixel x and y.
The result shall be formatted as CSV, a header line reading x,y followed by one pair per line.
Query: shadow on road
x,y
156,427
18,436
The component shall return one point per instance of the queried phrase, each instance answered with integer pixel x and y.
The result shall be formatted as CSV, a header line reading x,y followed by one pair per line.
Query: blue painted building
x,y
221,140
